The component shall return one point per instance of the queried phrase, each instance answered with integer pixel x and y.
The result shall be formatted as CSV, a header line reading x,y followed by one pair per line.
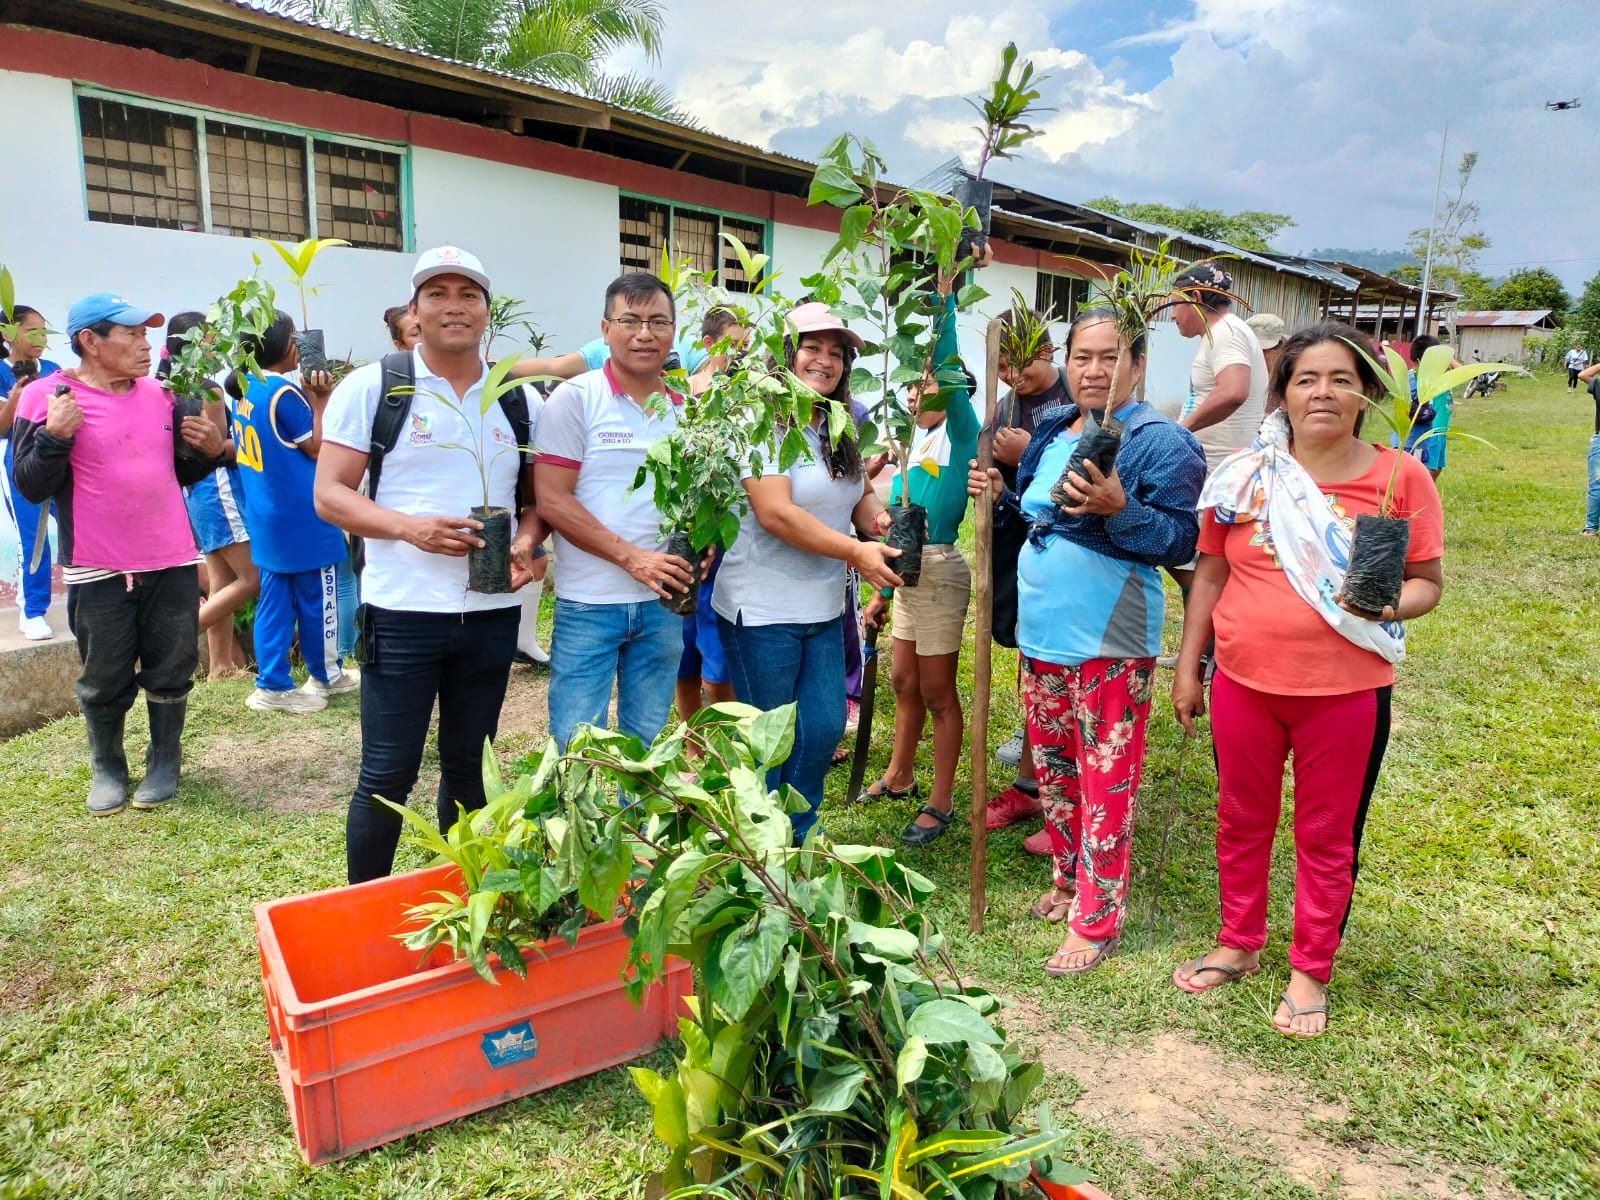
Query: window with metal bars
x,y
258,182
645,226
164,169
1060,295
140,166
358,195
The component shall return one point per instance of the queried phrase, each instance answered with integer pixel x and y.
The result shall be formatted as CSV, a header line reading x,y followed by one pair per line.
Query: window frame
x,y
309,134
706,210
1081,294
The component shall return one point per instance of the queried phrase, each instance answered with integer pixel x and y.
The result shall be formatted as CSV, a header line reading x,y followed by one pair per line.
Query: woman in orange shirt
x,y
1296,670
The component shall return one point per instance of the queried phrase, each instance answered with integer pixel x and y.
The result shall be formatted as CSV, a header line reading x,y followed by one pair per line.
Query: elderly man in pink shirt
x,y
102,442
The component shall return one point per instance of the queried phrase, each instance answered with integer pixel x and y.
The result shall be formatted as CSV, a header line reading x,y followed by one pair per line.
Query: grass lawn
x,y
1462,1058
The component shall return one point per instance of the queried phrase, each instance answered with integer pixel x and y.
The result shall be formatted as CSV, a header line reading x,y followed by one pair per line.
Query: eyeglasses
x,y
658,325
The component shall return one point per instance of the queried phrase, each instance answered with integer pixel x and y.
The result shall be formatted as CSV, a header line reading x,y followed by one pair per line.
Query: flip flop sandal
x,y
840,756
1301,1012
1102,951
1048,908
1229,975
917,836
914,792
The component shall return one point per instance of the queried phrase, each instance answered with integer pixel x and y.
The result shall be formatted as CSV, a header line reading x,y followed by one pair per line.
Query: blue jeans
x,y
774,665
593,646
349,595
1592,522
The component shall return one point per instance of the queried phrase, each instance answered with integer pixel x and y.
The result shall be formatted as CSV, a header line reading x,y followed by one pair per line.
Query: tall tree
x,y
1457,243
1537,287
1248,230
560,43
1586,312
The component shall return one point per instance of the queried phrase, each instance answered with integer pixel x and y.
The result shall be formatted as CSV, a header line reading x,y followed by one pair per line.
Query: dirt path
x,y
1171,1096
314,765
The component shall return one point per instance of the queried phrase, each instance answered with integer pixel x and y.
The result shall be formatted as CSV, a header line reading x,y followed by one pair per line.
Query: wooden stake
x,y
983,611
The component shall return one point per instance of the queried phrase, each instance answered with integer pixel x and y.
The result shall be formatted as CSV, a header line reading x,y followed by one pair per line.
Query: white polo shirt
x,y
764,580
424,477
593,426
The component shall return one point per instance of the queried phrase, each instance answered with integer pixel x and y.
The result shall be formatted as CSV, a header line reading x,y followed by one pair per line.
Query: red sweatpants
x,y
1086,725
1338,744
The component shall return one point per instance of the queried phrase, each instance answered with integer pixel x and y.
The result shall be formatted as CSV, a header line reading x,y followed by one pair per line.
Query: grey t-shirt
x,y
766,581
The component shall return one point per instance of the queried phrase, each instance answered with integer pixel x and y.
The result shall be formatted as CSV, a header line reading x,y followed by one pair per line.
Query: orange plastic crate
x,y
369,1048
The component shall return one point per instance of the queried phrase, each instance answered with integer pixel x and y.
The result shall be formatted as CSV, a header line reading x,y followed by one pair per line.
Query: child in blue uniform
x,y
277,431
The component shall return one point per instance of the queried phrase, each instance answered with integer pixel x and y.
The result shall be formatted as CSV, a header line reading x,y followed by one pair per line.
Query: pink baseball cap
x,y
816,318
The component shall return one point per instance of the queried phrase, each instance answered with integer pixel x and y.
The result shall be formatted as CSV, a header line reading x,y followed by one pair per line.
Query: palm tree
x,y
559,43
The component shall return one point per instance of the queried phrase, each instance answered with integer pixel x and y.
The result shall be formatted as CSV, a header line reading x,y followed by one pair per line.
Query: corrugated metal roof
x,y
1517,318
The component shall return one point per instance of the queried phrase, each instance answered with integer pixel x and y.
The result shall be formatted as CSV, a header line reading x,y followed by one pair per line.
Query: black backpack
x,y
399,383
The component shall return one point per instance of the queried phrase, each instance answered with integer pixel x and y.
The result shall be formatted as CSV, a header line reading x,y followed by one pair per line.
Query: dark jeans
x,y
803,665
135,631
464,661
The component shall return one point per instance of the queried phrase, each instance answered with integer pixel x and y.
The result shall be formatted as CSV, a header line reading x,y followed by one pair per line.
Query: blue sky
x,y
1329,110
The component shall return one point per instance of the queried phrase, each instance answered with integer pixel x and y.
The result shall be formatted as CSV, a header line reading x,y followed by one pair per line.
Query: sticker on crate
x,y
513,1045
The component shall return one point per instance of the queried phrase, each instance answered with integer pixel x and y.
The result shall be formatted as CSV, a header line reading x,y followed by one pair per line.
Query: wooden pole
x,y
982,627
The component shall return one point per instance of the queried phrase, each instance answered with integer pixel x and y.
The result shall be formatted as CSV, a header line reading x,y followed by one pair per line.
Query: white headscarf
x,y
1265,482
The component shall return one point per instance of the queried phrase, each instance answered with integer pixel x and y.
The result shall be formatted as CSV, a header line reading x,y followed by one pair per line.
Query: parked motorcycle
x,y
1482,385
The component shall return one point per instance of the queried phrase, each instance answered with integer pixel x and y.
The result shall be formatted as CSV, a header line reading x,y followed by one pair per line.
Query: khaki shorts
x,y
933,615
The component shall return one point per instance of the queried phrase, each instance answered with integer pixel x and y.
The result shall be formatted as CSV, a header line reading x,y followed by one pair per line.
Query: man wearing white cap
x,y
104,447
424,636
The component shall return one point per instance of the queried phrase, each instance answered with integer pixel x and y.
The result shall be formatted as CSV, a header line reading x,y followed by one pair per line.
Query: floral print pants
x,y
1086,724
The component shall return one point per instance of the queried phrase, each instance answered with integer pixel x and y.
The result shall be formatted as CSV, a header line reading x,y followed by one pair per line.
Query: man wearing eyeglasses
x,y
592,439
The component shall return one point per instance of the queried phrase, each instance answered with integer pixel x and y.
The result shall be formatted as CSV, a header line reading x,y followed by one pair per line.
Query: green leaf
x,y
835,1088
943,1021
913,1057
962,1141
833,185
747,958
985,1065
494,786
771,735
480,908
605,871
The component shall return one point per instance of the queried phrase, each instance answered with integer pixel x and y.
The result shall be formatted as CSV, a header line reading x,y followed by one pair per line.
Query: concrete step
x,y
36,678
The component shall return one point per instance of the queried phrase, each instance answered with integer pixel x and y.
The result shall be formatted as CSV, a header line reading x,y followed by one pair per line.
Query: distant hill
x,y
1382,261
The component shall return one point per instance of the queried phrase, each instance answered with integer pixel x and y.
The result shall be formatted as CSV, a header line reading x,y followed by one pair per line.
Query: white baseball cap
x,y
448,260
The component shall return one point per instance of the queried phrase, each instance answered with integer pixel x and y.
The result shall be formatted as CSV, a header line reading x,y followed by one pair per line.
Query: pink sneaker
x,y
1009,807
1038,843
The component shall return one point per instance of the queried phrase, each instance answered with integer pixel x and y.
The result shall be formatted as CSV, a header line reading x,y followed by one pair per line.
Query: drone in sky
x,y
1563,105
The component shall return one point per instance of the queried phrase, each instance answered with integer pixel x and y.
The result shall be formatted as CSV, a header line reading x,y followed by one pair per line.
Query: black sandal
x,y
917,836
885,792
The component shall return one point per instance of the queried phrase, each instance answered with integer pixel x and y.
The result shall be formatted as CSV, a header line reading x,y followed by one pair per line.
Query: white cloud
x,y
1329,110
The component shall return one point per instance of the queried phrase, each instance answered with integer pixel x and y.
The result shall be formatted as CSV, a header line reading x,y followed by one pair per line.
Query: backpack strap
x,y
394,404
514,404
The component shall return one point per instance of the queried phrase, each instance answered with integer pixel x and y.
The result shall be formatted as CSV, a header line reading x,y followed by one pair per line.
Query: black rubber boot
x,y
165,755
108,789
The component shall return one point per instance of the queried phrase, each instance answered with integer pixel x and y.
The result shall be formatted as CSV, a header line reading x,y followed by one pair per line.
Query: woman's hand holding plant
x,y
1099,495
872,560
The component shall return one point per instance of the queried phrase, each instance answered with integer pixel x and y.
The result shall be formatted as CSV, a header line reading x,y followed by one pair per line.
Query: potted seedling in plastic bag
x,y
1378,545
299,259
216,346
888,272
1004,111
1135,295
488,565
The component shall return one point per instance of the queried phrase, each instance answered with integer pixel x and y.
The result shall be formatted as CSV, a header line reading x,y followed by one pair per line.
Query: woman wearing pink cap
x,y
780,592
